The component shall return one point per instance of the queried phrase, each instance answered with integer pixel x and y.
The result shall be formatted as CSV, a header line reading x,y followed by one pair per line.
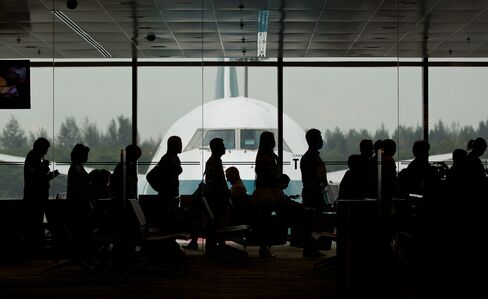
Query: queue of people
x,y
467,177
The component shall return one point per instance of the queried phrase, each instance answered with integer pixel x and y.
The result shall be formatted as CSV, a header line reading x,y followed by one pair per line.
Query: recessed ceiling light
x,y
183,2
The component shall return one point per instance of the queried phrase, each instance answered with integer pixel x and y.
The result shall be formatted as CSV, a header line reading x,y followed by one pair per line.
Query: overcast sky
x,y
347,98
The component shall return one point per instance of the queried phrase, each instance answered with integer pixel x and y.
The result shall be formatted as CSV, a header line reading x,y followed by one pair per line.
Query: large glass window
x,y
458,107
20,128
92,106
170,103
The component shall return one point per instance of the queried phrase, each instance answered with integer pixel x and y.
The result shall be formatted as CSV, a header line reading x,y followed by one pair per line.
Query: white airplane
x,y
239,121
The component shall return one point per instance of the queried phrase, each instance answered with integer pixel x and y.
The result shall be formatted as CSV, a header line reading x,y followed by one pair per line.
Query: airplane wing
x,y
335,177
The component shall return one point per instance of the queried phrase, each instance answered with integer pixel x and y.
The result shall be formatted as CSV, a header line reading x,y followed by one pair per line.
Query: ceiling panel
x,y
315,28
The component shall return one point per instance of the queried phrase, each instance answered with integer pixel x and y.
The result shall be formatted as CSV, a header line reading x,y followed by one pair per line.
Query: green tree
x,y
13,137
91,134
69,133
42,132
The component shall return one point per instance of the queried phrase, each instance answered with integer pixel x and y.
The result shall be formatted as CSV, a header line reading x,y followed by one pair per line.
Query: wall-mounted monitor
x,y
15,84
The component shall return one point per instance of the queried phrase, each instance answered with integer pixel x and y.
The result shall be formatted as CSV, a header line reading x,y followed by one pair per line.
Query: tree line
x,y
105,145
442,138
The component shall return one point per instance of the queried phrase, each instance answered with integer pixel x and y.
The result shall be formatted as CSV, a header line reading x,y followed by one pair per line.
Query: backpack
x,y
153,178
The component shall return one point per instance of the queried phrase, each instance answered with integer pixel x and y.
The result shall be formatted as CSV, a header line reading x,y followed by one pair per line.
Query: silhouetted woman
x,y
267,189
78,191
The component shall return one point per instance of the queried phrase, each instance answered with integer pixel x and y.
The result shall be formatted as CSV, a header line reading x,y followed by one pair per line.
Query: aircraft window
x,y
250,139
196,141
227,135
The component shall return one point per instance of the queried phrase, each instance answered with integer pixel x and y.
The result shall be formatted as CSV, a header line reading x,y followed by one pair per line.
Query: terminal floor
x,y
287,275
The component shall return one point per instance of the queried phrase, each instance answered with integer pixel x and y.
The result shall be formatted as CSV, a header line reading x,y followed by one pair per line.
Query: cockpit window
x,y
196,141
250,138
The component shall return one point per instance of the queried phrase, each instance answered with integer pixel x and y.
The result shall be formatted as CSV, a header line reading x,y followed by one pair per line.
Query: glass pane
x,y
19,130
92,106
240,100
457,107
170,103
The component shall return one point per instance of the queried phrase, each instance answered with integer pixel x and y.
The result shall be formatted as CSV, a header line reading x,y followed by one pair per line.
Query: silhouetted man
x,y
170,169
36,189
419,170
314,179
314,174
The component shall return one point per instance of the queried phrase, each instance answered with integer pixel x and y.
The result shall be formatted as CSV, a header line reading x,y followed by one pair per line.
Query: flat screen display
x,y
15,84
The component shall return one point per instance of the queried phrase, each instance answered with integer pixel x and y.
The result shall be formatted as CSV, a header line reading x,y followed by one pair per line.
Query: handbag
x,y
153,178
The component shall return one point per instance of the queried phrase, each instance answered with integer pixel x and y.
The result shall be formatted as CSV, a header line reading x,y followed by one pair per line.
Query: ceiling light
x,y
81,32
262,32
72,4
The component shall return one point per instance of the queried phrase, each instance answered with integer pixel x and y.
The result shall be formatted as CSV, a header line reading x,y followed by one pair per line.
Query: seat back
x,y
139,214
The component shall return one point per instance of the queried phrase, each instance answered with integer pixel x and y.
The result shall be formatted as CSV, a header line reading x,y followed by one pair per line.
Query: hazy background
x,y
326,98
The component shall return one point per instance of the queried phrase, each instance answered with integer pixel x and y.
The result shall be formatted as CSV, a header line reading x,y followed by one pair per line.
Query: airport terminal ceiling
x,y
180,29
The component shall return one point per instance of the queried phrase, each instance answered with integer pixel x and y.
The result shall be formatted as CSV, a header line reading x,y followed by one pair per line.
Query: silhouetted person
x,y
124,225
419,172
100,180
477,203
366,149
458,173
373,170
353,184
266,193
36,189
169,189
314,196
78,192
170,170
388,172
132,154
476,172
217,191
238,196
238,189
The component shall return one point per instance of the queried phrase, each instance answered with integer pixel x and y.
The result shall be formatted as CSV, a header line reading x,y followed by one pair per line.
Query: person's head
x,y
217,147
80,153
266,141
366,148
421,149
41,146
389,147
314,139
174,145
132,153
283,181
477,146
232,175
377,145
354,162
459,156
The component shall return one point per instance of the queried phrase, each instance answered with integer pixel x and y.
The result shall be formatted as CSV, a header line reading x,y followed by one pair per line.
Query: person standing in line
x,y
37,176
